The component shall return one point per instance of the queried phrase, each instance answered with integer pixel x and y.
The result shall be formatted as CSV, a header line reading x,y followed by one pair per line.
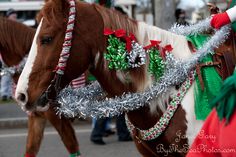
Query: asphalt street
x,y
12,144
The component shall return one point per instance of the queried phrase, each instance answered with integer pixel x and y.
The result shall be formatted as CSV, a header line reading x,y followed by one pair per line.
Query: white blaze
x,y
23,81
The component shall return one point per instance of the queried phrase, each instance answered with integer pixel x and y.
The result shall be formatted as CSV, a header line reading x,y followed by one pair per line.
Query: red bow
x,y
167,48
129,40
154,43
120,33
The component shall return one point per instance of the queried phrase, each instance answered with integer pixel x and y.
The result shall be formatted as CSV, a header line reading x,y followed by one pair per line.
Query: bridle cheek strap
x,y
54,87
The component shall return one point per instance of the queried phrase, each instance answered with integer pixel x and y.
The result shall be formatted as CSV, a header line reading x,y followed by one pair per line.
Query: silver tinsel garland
x,y
16,69
197,28
137,56
84,102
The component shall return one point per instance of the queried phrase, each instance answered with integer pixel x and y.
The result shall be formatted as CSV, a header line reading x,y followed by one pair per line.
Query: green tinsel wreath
x,y
156,65
116,54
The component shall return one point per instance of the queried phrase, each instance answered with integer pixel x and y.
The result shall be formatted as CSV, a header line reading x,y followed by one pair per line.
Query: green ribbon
x,y
212,82
75,154
225,101
156,65
116,54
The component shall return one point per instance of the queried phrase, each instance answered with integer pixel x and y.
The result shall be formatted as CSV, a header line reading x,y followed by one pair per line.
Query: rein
x,y
54,87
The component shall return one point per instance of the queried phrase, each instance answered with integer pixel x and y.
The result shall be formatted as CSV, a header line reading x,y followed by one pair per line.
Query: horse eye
x,y
46,40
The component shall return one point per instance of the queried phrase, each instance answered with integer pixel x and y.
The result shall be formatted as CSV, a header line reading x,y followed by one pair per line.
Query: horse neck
x,y
114,82
15,41
117,82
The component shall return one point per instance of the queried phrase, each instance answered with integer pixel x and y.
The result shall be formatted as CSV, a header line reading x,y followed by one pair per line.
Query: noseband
x,y
55,85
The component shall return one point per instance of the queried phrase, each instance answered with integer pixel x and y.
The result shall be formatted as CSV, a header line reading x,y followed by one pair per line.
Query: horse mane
x,y
139,77
15,37
114,20
57,14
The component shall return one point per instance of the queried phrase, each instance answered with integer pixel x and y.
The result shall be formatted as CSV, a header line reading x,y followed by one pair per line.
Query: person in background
x,y
221,19
217,136
11,14
6,79
180,16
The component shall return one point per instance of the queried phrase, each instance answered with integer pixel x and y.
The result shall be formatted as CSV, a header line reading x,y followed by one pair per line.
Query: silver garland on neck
x,y
201,26
16,69
137,56
86,101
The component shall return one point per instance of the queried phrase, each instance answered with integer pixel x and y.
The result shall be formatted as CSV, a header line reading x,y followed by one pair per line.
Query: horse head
x,y
47,46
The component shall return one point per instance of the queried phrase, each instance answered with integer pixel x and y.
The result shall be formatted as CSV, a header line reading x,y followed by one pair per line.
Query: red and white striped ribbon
x,y
65,53
79,82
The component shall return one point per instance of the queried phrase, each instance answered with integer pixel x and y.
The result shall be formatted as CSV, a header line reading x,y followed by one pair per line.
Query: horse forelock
x,y
53,14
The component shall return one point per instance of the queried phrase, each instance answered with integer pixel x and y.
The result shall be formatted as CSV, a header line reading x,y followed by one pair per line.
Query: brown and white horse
x,y
15,43
87,51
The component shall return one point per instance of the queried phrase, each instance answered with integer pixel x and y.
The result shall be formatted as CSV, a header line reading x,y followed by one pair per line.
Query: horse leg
x,y
65,130
36,125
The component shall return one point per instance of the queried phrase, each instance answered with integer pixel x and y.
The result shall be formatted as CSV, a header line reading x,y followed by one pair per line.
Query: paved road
x,y
11,110
12,144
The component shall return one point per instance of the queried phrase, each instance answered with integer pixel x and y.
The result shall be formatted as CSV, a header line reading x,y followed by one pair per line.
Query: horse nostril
x,y
21,97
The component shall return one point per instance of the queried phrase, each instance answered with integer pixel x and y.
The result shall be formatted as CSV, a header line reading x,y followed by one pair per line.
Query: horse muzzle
x,y
41,104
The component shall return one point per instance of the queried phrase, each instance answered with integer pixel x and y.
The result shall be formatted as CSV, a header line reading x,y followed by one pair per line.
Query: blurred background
x,y
161,13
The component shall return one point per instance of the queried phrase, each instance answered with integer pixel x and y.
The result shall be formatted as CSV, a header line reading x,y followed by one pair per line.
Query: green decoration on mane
x,y
116,54
156,65
122,51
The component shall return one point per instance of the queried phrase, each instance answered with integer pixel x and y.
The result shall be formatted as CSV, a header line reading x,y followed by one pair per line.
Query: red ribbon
x,y
129,40
163,50
167,48
121,33
118,33
154,43
108,31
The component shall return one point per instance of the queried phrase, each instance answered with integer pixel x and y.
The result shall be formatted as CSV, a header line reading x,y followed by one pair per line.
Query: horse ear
x,y
59,5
